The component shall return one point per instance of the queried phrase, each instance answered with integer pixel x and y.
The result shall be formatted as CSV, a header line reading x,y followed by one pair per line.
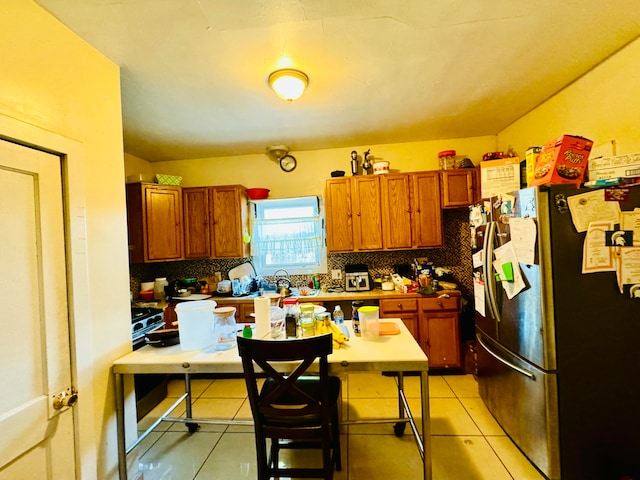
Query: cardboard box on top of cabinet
x,y
604,168
499,176
562,160
530,161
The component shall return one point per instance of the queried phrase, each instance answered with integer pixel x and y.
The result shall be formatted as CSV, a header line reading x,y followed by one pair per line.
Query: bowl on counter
x,y
258,193
146,295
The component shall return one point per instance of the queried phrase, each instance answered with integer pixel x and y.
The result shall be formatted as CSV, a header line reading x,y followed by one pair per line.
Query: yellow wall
x,y
315,166
53,80
602,106
135,165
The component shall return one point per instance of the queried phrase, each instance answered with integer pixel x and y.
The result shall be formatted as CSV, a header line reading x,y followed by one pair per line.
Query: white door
x,y
37,439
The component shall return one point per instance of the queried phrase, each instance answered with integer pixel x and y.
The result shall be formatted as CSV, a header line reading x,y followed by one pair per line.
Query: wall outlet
x,y
336,274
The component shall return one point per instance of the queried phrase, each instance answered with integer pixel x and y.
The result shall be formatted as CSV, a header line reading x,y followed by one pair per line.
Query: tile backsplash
x,y
455,255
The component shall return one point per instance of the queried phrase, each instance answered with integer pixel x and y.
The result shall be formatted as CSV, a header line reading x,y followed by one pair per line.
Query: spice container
x,y
307,320
291,317
447,159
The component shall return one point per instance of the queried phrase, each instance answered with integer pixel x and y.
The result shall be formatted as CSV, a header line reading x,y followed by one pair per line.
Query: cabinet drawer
x,y
443,303
399,305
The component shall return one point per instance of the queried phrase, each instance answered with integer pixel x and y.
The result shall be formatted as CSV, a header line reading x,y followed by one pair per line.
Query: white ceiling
x,y
194,72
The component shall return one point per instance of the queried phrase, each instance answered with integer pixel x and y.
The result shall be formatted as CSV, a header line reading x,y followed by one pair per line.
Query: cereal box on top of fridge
x,y
562,160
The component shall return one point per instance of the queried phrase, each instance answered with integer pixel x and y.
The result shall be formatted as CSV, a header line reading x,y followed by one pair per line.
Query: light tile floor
x,y
466,442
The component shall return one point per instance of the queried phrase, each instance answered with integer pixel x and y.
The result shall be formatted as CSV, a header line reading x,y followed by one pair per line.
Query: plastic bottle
x,y
338,315
338,319
246,331
355,316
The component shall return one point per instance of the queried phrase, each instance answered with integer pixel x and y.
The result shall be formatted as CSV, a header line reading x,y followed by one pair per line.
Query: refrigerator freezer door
x,y
523,399
521,322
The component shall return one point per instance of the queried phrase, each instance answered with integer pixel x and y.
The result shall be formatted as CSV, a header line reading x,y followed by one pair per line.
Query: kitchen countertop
x,y
375,294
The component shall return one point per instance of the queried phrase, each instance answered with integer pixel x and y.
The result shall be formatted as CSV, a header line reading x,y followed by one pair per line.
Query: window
x,y
288,234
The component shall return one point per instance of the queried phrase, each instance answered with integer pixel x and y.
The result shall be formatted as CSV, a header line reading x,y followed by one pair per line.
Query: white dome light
x,y
289,84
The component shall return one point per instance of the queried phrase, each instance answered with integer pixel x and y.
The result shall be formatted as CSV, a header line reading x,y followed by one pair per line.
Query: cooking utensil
x,y
163,338
283,286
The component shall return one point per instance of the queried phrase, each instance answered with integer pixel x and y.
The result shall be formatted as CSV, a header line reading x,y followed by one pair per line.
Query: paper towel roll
x,y
262,309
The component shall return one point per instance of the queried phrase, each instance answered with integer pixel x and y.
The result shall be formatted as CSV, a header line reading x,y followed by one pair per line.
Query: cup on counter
x,y
144,286
369,322
276,323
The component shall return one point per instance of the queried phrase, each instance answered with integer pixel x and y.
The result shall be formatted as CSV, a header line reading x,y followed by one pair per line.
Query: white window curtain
x,y
294,244
287,242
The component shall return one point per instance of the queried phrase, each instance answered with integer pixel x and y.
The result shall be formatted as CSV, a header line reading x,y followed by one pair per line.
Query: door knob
x,y
66,398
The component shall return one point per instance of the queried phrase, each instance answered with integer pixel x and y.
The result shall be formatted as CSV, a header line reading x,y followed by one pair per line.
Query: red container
x,y
258,193
562,160
146,295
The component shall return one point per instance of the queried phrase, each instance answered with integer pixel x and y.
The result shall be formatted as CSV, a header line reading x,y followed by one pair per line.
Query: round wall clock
x,y
288,163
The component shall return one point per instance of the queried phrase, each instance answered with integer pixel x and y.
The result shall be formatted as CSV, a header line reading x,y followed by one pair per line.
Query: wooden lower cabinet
x,y
441,341
434,323
243,310
405,309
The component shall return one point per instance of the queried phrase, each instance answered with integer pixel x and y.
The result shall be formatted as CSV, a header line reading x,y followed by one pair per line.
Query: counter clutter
x,y
432,319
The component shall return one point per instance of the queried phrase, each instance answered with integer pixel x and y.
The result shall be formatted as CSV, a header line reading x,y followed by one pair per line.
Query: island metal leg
x,y
426,424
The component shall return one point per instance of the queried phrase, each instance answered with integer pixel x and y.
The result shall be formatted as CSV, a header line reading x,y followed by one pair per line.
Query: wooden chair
x,y
296,406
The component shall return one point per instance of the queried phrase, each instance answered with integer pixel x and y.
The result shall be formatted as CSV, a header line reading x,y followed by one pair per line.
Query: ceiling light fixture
x,y
288,83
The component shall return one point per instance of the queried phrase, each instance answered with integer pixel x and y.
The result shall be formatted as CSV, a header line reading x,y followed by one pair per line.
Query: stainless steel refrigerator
x,y
559,362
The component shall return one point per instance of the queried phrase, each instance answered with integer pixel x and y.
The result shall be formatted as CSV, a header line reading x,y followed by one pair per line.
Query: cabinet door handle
x,y
400,306
441,305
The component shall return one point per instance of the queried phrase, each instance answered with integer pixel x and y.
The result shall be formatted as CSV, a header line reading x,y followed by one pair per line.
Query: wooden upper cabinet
x,y
229,209
197,236
367,213
154,220
339,220
426,210
460,187
396,210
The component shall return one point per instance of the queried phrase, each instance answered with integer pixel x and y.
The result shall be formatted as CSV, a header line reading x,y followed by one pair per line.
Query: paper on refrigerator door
x,y
262,312
503,255
596,255
523,232
592,207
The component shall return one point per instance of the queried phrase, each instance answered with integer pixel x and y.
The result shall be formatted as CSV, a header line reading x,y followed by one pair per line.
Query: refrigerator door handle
x,y
522,371
489,279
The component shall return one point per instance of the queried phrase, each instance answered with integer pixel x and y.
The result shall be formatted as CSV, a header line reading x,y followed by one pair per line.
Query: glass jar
x,y
322,318
291,317
447,159
158,288
307,320
225,331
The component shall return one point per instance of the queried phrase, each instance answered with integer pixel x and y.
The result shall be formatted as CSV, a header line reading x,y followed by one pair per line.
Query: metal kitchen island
x,y
394,353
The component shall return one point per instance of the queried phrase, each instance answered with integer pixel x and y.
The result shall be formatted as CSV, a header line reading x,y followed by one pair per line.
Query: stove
x,y
150,389
143,321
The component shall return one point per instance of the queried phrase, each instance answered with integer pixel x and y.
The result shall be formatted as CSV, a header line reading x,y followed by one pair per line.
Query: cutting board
x,y
245,268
